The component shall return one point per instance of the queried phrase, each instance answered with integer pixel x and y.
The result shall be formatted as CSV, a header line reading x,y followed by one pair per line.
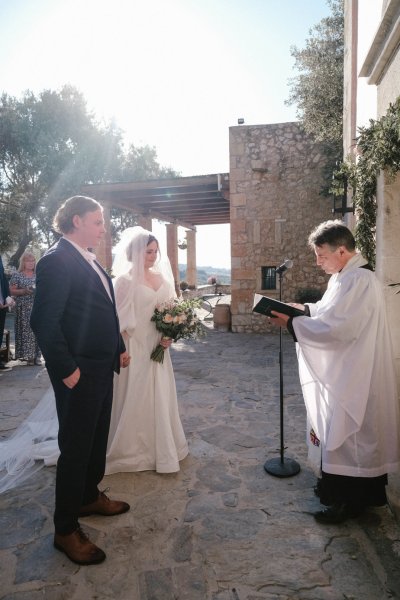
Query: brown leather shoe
x,y
79,548
104,506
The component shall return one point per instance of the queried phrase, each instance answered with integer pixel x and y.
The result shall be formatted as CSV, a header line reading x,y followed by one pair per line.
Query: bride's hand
x,y
165,342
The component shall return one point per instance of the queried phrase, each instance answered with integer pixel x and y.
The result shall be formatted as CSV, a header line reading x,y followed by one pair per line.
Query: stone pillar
x,y
145,221
172,252
191,267
103,251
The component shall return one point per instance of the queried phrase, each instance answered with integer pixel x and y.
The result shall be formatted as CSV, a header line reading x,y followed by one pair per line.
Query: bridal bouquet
x,y
176,319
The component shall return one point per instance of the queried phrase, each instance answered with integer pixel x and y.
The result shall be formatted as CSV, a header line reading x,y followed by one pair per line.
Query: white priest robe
x,y
347,375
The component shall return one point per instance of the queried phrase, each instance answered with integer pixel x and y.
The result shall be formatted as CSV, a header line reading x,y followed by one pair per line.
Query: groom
x,y
76,324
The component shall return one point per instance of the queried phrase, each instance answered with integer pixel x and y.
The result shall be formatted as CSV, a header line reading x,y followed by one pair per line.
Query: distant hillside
x,y
203,273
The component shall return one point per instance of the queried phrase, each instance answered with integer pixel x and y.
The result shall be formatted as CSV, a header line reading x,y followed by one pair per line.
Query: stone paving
x,y
221,528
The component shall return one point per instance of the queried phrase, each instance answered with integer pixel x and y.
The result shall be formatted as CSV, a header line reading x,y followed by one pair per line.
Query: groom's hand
x,y
72,379
124,360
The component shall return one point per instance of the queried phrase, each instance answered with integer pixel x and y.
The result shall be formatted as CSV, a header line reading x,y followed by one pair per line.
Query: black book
x,y
264,305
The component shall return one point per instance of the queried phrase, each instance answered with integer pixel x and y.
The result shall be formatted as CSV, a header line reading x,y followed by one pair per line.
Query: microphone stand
x,y
281,467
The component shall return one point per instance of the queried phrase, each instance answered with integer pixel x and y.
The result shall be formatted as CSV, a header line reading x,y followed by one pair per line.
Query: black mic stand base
x,y
282,468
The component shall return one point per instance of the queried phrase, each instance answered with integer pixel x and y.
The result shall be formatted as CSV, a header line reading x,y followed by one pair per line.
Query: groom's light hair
x,y
76,205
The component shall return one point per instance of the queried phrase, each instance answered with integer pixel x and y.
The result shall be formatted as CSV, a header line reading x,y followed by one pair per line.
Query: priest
x,y
348,379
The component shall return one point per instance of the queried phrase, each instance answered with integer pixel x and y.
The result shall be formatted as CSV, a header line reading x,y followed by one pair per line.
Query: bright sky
x,y
174,74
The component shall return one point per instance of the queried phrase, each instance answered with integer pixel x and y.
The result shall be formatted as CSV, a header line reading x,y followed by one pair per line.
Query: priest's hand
x,y
278,319
296,305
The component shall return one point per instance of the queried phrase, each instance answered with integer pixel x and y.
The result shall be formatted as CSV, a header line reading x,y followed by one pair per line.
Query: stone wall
x,y
384,72
275,184
381,71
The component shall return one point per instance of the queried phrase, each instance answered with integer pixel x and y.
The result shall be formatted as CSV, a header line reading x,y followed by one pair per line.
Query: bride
x,y
145,431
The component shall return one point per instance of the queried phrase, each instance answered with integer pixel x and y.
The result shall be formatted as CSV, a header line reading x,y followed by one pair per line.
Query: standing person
x,y
75,320
348,379
22,288
146,431
4,295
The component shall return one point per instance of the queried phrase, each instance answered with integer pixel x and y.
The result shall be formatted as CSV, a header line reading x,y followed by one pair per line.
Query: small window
x,y
268,278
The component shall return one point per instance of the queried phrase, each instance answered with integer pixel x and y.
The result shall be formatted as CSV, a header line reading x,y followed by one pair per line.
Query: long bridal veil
x,y
32,446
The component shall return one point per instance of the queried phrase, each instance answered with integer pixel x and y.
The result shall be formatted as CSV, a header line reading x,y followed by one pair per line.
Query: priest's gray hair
x,y
333,233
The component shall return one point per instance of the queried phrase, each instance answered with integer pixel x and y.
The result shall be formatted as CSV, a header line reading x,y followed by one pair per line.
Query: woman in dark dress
x,y
22,288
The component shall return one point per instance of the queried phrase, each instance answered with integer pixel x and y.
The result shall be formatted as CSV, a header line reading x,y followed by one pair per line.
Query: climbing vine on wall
x,y
378,148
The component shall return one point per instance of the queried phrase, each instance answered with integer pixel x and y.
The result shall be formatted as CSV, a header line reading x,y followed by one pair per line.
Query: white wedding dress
x,y
146,431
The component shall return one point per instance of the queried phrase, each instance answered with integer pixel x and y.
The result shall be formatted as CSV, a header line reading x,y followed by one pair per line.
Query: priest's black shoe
x,y
337,513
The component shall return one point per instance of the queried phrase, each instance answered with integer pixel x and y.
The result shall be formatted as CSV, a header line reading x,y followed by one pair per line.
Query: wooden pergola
x,y
178,201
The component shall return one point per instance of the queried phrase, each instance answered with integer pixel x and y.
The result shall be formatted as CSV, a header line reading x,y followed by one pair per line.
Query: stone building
x,y
275,182
371,83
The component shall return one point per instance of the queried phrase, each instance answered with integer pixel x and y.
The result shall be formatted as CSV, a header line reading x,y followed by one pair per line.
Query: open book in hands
x,y
264,305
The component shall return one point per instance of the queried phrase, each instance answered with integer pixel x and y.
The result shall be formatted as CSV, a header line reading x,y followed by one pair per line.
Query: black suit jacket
x,y
73,317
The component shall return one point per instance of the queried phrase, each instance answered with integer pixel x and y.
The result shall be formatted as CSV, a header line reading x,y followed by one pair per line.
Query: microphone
x,y
288,264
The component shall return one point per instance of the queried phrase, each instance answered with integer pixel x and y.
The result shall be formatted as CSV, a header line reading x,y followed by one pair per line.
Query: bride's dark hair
x,y
154,239
129,257
131,248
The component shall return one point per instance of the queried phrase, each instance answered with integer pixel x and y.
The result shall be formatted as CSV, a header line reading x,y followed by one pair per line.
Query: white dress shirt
x,y
91,258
